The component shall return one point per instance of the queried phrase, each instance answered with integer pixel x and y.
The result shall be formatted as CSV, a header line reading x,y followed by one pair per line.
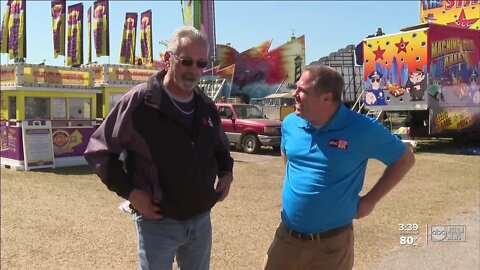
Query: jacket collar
x,y
158,97
157,88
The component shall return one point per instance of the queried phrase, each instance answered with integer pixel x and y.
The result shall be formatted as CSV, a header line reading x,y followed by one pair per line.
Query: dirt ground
x,y
66,219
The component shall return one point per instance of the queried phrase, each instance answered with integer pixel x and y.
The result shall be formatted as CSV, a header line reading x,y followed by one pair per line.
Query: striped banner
x,y
89,41
127,51
101,28
187,12
146,37
17,42
201,15
75,35
58,27
4,30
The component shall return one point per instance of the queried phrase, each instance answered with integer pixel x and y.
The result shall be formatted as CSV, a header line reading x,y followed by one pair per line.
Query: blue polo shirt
x,y
326,167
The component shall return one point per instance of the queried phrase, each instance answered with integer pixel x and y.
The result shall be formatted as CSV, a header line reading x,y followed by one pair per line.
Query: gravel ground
x,y
440,255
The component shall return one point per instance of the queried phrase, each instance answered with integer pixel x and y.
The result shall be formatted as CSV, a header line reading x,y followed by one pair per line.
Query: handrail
x,y
358,101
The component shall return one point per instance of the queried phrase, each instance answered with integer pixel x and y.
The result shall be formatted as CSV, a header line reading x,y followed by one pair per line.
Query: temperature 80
x,y
408,240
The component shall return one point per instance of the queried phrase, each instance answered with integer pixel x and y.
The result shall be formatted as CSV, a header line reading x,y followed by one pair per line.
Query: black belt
x,y
320,235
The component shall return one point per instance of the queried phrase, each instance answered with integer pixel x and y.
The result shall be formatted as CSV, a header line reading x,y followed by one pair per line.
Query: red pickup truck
x,y
247,128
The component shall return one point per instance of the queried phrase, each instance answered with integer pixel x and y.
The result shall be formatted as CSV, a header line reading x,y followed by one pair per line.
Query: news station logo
x,y
448,233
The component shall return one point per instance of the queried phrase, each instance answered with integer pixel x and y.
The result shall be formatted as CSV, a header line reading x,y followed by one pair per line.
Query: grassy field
x,y
66,219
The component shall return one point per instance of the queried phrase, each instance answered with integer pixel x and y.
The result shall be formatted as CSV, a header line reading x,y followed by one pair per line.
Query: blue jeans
x,y
159,241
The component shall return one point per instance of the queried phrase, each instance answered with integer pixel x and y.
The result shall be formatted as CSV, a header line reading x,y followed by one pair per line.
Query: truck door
x,y
226,115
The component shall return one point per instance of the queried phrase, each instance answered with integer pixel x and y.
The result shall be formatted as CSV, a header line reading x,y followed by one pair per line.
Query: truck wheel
x,y
251,144
238,146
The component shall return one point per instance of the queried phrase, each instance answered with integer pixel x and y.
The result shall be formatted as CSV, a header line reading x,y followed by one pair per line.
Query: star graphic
x,y
378,53
402,46
462,21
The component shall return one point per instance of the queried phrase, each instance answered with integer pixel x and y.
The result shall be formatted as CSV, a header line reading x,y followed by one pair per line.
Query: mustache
x,y
190,76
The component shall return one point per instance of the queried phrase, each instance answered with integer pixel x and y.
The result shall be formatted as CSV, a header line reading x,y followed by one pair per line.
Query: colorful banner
x,y
463,14
89,42
454,89
146,37
121,75
12,146
3,135
75,35
127,51
201,15
8,75
17,38
187,12
58,27
101,28
455,119
4,30
46,76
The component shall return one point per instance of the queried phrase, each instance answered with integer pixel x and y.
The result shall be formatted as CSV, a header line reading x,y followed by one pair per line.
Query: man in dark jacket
x,y
175,149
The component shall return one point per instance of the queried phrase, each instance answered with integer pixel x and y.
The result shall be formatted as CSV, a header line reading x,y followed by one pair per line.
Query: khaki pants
x,y
290,253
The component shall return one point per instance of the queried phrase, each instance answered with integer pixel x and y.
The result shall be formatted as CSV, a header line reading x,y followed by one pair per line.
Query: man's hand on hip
x,y
364,208
223,186
142,202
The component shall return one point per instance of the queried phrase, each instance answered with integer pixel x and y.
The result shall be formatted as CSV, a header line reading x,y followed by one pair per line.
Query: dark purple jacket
x,y
175,164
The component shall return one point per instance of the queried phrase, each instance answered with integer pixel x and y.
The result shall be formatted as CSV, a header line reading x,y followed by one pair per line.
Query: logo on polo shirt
x,y
338,143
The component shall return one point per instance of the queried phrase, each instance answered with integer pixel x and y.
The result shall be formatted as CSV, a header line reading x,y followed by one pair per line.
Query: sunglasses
x,y
375,80
189,62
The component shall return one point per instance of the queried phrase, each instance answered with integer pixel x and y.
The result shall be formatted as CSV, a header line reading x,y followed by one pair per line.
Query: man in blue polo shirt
x,y
326,148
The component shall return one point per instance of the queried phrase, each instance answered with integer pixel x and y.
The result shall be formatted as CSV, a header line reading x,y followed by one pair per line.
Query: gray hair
x,y
188,32
327,80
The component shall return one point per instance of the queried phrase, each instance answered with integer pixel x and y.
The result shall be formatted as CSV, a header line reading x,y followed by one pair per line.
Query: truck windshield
x,y
244,112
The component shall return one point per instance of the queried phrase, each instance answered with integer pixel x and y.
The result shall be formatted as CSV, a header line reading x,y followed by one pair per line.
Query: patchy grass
x,y
66,218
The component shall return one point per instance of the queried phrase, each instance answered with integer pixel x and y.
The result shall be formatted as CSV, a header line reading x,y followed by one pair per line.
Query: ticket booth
x,y
113,81
47,115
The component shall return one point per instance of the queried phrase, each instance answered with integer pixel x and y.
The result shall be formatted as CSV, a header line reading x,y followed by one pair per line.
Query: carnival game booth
x,y
47,115
113,81
430,71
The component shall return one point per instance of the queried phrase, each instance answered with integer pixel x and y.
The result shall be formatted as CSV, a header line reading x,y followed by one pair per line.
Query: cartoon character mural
x,y
402,60
416,84
375,95
437,65
259,71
